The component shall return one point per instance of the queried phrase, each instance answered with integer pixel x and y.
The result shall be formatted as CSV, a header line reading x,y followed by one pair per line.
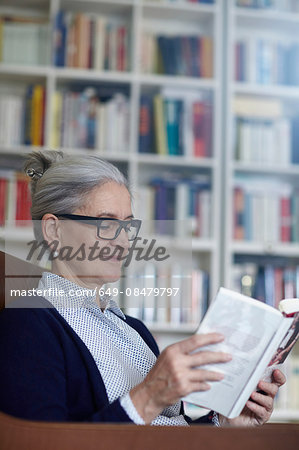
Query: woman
x,y
71,354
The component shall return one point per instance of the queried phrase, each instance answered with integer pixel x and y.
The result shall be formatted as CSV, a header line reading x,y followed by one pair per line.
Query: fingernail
x,y
228,357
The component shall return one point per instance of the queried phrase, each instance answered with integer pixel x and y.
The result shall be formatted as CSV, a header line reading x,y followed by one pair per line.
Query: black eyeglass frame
x,y
98,220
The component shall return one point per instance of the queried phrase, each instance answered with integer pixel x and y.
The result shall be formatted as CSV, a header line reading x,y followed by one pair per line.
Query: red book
x,y
121,48
27,201
199,145
239,206
208,129
285,215
3,192
19,203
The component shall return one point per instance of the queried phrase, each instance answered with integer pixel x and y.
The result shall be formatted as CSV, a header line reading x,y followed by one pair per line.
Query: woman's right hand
x,y
177,373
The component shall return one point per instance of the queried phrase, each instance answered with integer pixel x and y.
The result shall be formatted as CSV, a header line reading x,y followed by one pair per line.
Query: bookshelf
x,y
73,75
263,253
221,21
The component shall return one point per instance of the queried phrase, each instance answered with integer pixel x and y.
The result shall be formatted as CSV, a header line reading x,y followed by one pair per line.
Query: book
x,y
257,336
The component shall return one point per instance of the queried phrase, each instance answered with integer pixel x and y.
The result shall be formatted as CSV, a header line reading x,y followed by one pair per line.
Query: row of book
x,y
265,212
265,132
15,200
266,61
91,41
283,5
265,141
24,41
88,119
167,294
268,282
22,117
172,205
190,56
208,2
176,123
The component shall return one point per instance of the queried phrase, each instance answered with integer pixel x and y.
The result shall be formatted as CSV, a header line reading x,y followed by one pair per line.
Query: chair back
x,y
16,275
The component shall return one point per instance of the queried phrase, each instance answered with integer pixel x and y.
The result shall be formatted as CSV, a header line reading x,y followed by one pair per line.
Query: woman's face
x,y
109,200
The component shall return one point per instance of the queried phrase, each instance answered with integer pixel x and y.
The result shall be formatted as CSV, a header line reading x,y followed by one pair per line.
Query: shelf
x,y
19,149
275,91
21,71
261,16
180,7
264,168
16,234
189,244
177,81
70,74
175,160
96,2
114,7
174,328
24,149
123,157
268,248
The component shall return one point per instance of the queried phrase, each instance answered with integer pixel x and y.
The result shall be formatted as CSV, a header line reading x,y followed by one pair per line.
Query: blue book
x,y
260,288
293,65
146,124
180,68
295,140
27,117
180,126
171,125
166,57
60,39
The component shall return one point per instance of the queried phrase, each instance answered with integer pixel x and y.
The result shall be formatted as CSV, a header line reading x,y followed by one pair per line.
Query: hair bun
x,y
37,162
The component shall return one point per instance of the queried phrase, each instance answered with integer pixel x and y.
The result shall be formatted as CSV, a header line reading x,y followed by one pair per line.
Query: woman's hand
x,y
259,407
176,374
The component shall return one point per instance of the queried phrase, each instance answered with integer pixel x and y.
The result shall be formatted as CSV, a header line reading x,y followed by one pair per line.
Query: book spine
x,y
199,144
238,214
145,125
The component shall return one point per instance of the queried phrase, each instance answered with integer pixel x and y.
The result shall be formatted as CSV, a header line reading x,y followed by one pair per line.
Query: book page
x,y
248,326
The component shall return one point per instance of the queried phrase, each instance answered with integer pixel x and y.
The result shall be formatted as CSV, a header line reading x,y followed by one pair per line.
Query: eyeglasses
x,y
108,228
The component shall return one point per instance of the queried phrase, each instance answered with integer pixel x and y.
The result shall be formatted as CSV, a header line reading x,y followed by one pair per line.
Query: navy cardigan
x,y
47,372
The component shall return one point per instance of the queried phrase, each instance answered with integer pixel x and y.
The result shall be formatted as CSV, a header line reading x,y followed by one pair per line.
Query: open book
x,y
257,336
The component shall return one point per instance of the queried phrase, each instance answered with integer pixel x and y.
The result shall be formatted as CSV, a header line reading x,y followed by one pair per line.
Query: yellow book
x,y
207,56
55,135
37,121
160,133
1,39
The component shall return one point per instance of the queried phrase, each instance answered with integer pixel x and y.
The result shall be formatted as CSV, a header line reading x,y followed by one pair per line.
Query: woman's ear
x,y
51,228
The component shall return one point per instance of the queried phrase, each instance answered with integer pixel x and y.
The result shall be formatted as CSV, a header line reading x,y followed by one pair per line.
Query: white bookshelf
x,y
168,18
215,254
258,23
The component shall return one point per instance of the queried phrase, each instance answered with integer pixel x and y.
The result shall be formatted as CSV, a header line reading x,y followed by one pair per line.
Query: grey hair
x,y
61,182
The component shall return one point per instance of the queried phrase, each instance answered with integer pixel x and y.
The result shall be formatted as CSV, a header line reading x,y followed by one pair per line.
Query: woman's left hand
x,y
259,407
